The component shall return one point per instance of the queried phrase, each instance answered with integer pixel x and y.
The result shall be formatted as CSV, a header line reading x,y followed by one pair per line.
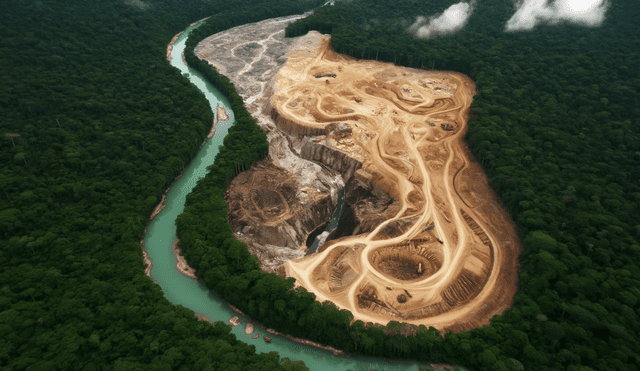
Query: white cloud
x,y
451,20
532,12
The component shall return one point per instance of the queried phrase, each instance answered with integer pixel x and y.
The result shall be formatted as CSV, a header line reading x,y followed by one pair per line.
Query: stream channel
x,y
193,294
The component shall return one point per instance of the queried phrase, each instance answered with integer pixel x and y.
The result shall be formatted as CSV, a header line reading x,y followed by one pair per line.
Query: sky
x,y
528,14
451,20
533,12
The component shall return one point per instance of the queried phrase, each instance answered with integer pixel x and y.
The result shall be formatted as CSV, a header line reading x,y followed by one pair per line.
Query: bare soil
x,y
276,204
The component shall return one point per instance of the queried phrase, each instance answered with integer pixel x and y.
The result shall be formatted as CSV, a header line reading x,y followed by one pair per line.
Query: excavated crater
x,y
407,262
404,267
268,201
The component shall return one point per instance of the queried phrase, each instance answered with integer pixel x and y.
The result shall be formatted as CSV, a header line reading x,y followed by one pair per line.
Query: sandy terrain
x,y
222,114
170,46
448,258
445,255
248,328
235,321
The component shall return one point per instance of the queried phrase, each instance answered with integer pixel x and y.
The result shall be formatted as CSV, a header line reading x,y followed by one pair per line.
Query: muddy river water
x,y
192,294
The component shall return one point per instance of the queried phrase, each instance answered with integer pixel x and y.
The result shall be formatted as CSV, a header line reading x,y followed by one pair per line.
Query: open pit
x,y
423,239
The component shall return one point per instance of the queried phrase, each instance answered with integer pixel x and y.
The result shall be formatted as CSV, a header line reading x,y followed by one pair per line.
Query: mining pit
x,y
422,239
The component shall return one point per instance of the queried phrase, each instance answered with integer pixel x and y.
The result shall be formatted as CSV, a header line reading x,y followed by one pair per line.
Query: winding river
x,y
192,294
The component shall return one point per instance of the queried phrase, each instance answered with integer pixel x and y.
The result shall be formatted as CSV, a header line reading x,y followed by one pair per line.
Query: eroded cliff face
x,y
276,204
370,204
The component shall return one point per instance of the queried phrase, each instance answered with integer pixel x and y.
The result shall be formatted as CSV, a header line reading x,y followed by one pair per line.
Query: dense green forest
x,y
94,125
556,125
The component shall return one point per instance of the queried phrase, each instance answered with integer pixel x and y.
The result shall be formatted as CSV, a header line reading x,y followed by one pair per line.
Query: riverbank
x,y
338,352
222,114
170,46
173,40
335,351
249,327
181,264
145,255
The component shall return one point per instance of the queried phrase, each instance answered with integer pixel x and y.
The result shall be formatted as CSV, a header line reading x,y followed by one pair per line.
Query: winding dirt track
x,y
448,258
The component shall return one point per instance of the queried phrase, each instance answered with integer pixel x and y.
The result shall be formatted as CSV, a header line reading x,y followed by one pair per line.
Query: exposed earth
x,y
423,239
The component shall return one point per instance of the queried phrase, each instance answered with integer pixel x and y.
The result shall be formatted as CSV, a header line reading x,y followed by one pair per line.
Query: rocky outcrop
x,y
292,127
292,231
266,203
333,158
370,204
